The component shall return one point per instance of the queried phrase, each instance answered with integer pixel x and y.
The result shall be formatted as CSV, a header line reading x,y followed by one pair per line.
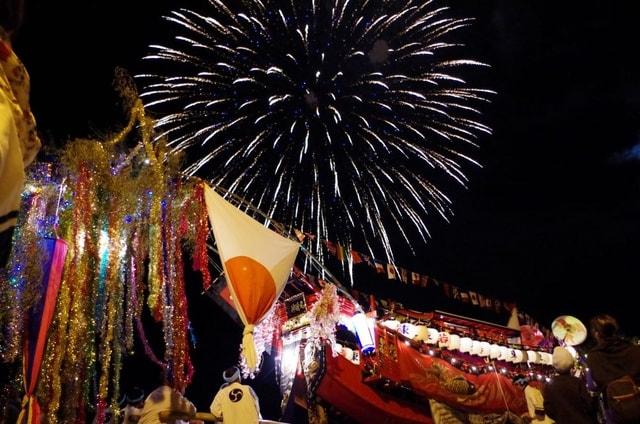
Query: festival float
x,y
291,152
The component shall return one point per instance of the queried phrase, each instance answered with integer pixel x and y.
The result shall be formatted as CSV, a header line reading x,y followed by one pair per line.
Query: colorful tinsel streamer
x,y
116,208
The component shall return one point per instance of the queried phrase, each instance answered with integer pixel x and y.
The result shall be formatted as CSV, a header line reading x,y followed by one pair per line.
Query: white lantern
x,y
454,342
485,349
519,356
494,353
364,333
533,357
465,344
505,354
442,338
391,324
546,358
432,336
475,347
407,330
422,333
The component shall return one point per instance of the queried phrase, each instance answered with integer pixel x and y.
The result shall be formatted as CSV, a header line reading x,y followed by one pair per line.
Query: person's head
x,y
604,327
520,381
11,14
231,375
562,361
135,397
123,401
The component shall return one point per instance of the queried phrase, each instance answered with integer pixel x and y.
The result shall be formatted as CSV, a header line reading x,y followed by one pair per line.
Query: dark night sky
x,y
552,219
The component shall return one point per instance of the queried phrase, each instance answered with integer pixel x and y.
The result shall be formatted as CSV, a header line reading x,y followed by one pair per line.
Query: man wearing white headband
x,y
235,403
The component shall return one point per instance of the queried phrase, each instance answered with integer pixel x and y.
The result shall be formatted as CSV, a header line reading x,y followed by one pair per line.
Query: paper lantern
x,y
533,357
407,330
432,336
494,353
422,333
364,333
465,344
546,358
518,356
505,354
443,339
454,342
485,349
392,324
475,348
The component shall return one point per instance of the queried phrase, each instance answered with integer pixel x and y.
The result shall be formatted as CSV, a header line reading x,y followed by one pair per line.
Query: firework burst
x,y
334,116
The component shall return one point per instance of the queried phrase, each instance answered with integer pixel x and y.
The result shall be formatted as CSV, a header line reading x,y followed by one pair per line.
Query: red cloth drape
x,y
38,322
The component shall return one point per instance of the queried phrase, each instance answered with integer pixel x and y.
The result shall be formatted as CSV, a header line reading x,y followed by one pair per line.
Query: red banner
x,y
438,379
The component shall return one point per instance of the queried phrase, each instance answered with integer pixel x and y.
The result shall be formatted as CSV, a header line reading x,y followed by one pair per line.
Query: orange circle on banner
x,y
253,285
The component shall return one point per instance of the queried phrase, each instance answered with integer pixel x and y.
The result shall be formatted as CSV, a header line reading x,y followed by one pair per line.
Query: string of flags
x,y
417,279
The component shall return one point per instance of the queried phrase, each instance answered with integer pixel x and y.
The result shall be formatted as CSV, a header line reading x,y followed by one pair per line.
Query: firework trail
x,y
337,117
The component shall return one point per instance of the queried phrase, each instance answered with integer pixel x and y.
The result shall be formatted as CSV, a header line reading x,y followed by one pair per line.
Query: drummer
x,y
235,403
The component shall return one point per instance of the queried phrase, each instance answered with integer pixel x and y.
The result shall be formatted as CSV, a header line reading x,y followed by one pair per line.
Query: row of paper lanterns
x,y
445,340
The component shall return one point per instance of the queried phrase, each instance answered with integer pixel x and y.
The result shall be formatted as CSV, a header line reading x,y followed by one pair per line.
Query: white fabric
x,y
164,398
535,401
236,404
237,234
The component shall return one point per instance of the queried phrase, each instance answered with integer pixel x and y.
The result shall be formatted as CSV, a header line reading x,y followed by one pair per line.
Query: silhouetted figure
x,y
566,399
614,365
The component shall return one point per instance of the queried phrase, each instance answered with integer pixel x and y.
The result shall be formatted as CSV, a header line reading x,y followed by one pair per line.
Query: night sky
x,y
552,219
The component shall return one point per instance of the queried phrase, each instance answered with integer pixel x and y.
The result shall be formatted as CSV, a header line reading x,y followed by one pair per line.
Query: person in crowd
x,y
19,142
535,401
614,365
566,400
132,408
166,405
235,403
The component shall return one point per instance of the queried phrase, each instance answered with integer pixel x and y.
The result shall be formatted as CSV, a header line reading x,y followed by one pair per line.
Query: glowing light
x,y
365,335
359,144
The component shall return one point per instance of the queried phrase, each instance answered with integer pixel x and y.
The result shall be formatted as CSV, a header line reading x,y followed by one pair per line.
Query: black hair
x,y
11,14
604,327
229,372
